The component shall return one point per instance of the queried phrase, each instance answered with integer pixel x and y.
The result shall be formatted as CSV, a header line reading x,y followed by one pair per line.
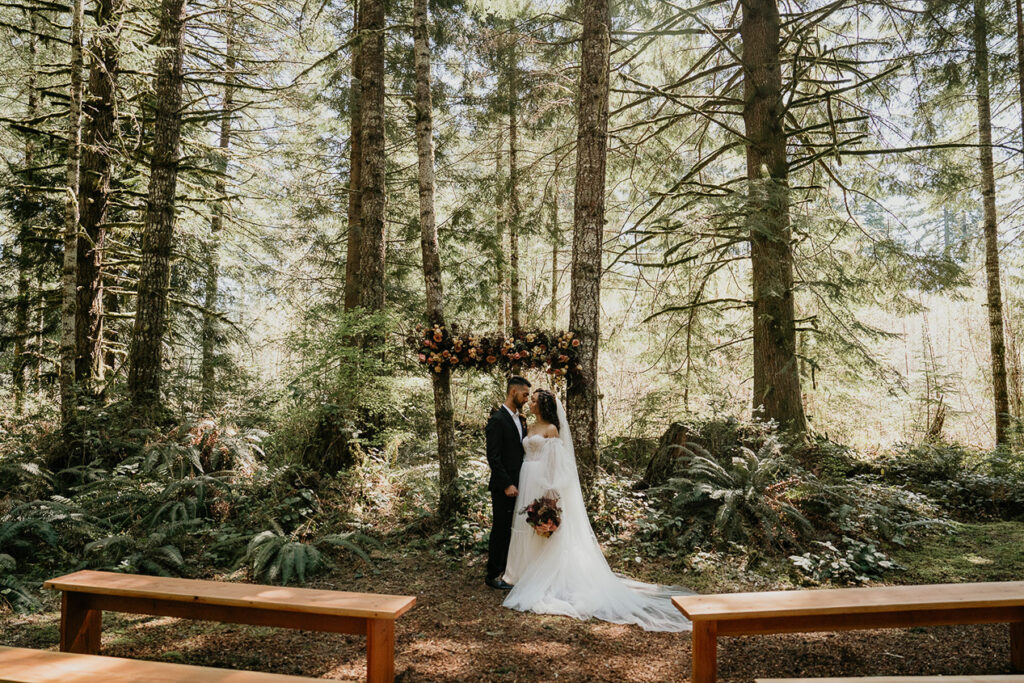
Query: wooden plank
x,y
254,616
901,679
851,600
705,652
868,620
366,605
81,625
380,651
1017,646
22,665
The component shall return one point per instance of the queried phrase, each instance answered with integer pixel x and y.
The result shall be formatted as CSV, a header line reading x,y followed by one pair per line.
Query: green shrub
x,y
13,592
743,500
968,484
274,556
853,562
157,553
866,507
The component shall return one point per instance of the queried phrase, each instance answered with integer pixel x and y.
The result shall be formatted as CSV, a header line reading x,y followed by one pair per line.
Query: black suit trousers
x,y
503,509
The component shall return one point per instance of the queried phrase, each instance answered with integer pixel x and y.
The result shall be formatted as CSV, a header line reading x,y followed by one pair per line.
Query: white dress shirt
x,y
515,418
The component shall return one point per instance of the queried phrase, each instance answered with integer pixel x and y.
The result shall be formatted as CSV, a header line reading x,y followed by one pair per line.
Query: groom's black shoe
x,y
499,583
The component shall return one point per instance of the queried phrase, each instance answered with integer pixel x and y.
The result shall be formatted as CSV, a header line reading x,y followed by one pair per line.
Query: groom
x,y
505,432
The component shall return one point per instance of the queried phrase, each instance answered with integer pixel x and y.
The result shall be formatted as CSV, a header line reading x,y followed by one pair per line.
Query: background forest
x,y
265,266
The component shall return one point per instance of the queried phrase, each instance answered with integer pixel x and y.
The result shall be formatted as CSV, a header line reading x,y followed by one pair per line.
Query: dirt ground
x,y
458,631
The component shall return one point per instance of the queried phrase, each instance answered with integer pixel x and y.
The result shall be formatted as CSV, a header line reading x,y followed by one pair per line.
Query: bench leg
x,y
1017,647
80,627
380,650
705,652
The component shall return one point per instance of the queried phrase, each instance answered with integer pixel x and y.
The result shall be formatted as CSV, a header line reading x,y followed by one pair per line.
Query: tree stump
x,y
663,463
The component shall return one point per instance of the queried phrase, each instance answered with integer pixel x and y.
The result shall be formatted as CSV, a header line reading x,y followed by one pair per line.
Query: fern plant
x,y
274,556
741,501
12,591
157,553
187,499
26,479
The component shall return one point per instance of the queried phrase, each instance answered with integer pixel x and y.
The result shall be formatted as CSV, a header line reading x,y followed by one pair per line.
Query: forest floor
x,y
458,630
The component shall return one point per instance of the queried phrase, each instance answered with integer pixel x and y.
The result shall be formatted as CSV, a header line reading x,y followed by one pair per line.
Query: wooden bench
x,y
21,665
1009,678
87,594
741,614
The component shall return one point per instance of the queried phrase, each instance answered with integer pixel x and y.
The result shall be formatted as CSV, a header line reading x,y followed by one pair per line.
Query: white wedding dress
x,y
567,573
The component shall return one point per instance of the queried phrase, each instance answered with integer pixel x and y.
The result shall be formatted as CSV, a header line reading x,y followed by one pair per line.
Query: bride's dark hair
x,y
548,407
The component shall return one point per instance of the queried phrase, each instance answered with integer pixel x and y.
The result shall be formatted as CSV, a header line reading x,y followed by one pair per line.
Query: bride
x,y
567,573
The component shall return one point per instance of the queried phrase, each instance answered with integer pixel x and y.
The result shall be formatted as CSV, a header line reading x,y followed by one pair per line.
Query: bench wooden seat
x,y
1007,678
849,608
22,665
87,594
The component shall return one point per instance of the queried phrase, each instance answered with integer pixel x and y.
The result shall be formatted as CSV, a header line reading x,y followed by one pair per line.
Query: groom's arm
x,y
493,433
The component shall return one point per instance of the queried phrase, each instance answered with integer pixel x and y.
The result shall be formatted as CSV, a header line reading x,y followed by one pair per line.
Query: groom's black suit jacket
x,y
504,449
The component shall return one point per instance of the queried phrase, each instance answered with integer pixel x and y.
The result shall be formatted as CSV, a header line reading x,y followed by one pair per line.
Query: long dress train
x,y
567,573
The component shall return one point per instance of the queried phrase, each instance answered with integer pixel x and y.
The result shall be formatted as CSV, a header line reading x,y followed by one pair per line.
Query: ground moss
x,y
974,552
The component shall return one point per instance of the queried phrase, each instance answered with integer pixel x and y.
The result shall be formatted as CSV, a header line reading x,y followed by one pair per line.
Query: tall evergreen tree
x,y
210,333
994,298
21,313
146,355
355,187
373,172
776,373
443,412
588,232
69,278
95,195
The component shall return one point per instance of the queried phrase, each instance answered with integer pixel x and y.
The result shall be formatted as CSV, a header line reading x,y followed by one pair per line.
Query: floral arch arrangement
x,y
439,347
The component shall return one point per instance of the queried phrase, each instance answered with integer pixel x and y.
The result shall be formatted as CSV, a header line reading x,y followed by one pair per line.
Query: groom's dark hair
x,y
516,381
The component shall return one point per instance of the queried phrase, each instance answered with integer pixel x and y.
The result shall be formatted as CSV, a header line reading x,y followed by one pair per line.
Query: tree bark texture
x,y
991,226
776,374
588,233
94,193
145,357
443,412
514,205
71,223
499,224
21,308
1015,373
373,169
211,328
556,239
1019,7
355,193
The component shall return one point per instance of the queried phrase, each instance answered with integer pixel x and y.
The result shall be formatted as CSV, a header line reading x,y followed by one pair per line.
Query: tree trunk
x,y
94,194
499,221
776,375
556,239
988,193
674,444
355,194
373,170
1019,6
145,357
588,233
1015,380
513,195
70,269
443,414
21,309
21,317
211,328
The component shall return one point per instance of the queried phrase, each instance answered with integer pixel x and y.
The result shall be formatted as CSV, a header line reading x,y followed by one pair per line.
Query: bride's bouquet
x,y
543,514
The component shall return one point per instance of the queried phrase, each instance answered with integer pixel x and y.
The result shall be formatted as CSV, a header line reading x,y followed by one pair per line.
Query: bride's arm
x,y
552,466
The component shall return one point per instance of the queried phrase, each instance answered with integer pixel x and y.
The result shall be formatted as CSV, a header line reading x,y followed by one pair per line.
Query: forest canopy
x,y
766,251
